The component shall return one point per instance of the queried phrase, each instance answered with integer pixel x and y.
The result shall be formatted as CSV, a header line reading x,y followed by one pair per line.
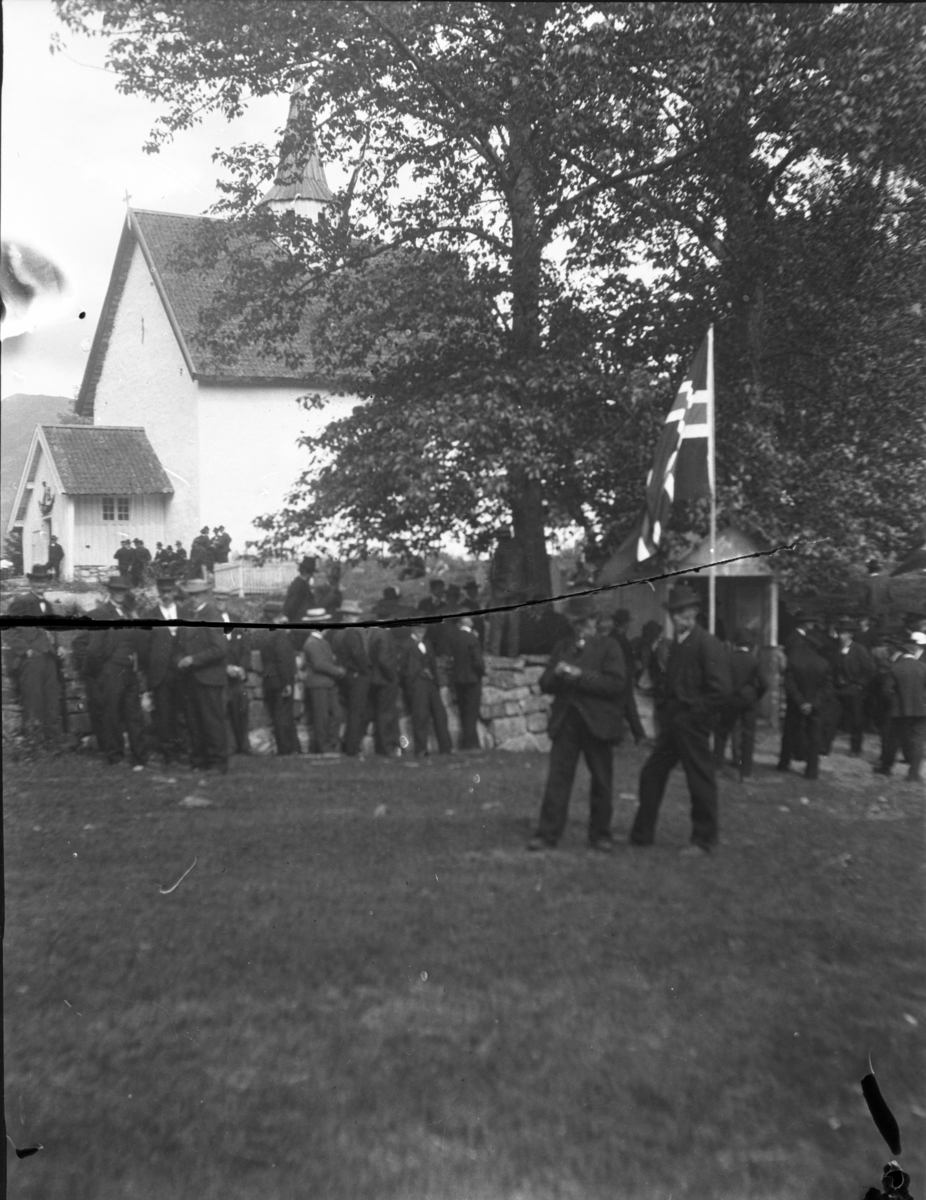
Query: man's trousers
x,y
469,697
572,739
384,712
355,692
40,694
208,734
121,711
238,709
282,718
170,714
852,717
906,734
680,739
801,739
425,705
323,716
739,725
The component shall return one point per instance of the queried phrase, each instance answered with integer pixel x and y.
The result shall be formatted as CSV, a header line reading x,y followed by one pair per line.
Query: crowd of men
x,y
706,692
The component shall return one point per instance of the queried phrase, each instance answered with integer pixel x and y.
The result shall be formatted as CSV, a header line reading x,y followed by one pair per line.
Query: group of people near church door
x,y
856,676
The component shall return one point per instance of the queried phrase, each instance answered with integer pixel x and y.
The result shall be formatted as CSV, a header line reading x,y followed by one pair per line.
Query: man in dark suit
x,y
738,718
55,558
300,596
112,659
161,654
201,555
351,650
418,669
691,695
34,658
384,691
204,657
238,705
854,669
278,665
125,559
587,676
905,727
620,626
809,691
467,672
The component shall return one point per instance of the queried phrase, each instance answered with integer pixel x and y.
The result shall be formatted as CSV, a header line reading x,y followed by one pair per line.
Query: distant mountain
x,y
19,416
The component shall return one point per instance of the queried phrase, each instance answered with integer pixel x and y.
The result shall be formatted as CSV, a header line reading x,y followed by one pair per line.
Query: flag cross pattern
x,y
680,467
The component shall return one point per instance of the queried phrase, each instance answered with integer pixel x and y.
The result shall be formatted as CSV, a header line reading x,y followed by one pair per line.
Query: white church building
x,y
176,442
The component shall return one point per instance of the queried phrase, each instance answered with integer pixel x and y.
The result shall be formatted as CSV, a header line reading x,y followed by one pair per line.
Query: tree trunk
x,y
526,492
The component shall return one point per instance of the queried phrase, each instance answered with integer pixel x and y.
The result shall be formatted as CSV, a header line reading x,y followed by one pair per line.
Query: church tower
x,y
300,183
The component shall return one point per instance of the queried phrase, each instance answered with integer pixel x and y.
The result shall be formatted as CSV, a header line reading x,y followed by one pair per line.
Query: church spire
x,y
300,182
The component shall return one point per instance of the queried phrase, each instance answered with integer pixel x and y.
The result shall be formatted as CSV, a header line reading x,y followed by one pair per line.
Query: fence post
x,y
240,581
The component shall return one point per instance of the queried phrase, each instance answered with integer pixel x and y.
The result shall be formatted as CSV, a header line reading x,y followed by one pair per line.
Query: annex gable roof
x,y
165,240
105,460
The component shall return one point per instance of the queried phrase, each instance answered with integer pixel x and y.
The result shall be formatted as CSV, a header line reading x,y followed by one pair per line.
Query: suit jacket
x,y
238,642
468,660
321,666
808,677
161,648
855,669
908,687
20,639
117,646
747,678
383,656
416,664
206,646
697,676
277,657
598,695
350,648
299,599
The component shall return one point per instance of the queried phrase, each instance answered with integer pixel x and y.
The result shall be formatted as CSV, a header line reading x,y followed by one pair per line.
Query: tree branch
x,y
481,145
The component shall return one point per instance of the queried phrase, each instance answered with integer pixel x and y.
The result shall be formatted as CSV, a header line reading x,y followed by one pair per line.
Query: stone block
x,y
489,712
513,708
543,742
535,704
506,728
537,722
520,743
492,695
532,674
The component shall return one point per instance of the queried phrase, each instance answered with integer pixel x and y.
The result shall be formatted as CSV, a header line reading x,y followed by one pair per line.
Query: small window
x,y
115,507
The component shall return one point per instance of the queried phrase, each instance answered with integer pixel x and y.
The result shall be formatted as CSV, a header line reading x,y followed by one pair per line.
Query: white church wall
x,y
145,382
248,456
97,540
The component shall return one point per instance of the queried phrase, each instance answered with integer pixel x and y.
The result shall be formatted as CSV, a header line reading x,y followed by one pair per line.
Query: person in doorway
x,y
692,693
587,677
55,558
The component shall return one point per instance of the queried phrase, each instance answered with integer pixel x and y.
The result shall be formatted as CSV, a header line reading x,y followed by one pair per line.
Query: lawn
x,y
365,988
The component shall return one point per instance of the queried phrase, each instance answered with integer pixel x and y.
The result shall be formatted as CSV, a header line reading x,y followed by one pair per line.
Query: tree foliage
x,y
539,152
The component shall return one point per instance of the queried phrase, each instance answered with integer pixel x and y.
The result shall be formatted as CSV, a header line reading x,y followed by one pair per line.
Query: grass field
x,y
348,1000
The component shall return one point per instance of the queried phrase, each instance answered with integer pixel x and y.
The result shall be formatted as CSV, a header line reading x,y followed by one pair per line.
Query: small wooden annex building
x,y
90,486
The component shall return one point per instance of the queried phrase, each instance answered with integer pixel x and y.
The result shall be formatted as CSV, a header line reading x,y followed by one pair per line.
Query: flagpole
x,y
712,482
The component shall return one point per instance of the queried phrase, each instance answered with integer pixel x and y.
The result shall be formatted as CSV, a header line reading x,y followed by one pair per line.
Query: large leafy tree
x,y
680,132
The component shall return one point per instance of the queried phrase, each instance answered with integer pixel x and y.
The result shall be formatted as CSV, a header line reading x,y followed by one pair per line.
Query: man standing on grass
x,y
467,672
738,719
160,659
321,675
905,727
34,656
854,671
418,668
204,657
351,648
587,676
278,663
692,693
112,659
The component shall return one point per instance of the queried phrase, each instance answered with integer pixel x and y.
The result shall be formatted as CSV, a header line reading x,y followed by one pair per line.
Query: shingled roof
x,y
300,175
94,460
165,240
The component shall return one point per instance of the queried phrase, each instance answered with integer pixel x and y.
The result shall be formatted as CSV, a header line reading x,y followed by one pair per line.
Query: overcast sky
x,y
71,148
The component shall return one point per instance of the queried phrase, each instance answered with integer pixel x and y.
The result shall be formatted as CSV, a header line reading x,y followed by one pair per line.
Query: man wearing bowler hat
x,y
112,661
587,676
165,683
692,693
299,596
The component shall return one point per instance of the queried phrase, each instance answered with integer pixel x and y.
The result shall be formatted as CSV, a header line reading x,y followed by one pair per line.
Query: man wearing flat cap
x,y
692,693
587,677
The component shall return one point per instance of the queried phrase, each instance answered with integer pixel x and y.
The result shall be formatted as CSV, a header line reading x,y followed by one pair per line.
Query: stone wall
x,y
513,715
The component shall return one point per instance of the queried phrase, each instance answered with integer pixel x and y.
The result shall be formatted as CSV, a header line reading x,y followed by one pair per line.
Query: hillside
x,y
19,416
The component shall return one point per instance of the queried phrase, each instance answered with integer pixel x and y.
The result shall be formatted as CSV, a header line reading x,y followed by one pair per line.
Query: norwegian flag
x,y
682,467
